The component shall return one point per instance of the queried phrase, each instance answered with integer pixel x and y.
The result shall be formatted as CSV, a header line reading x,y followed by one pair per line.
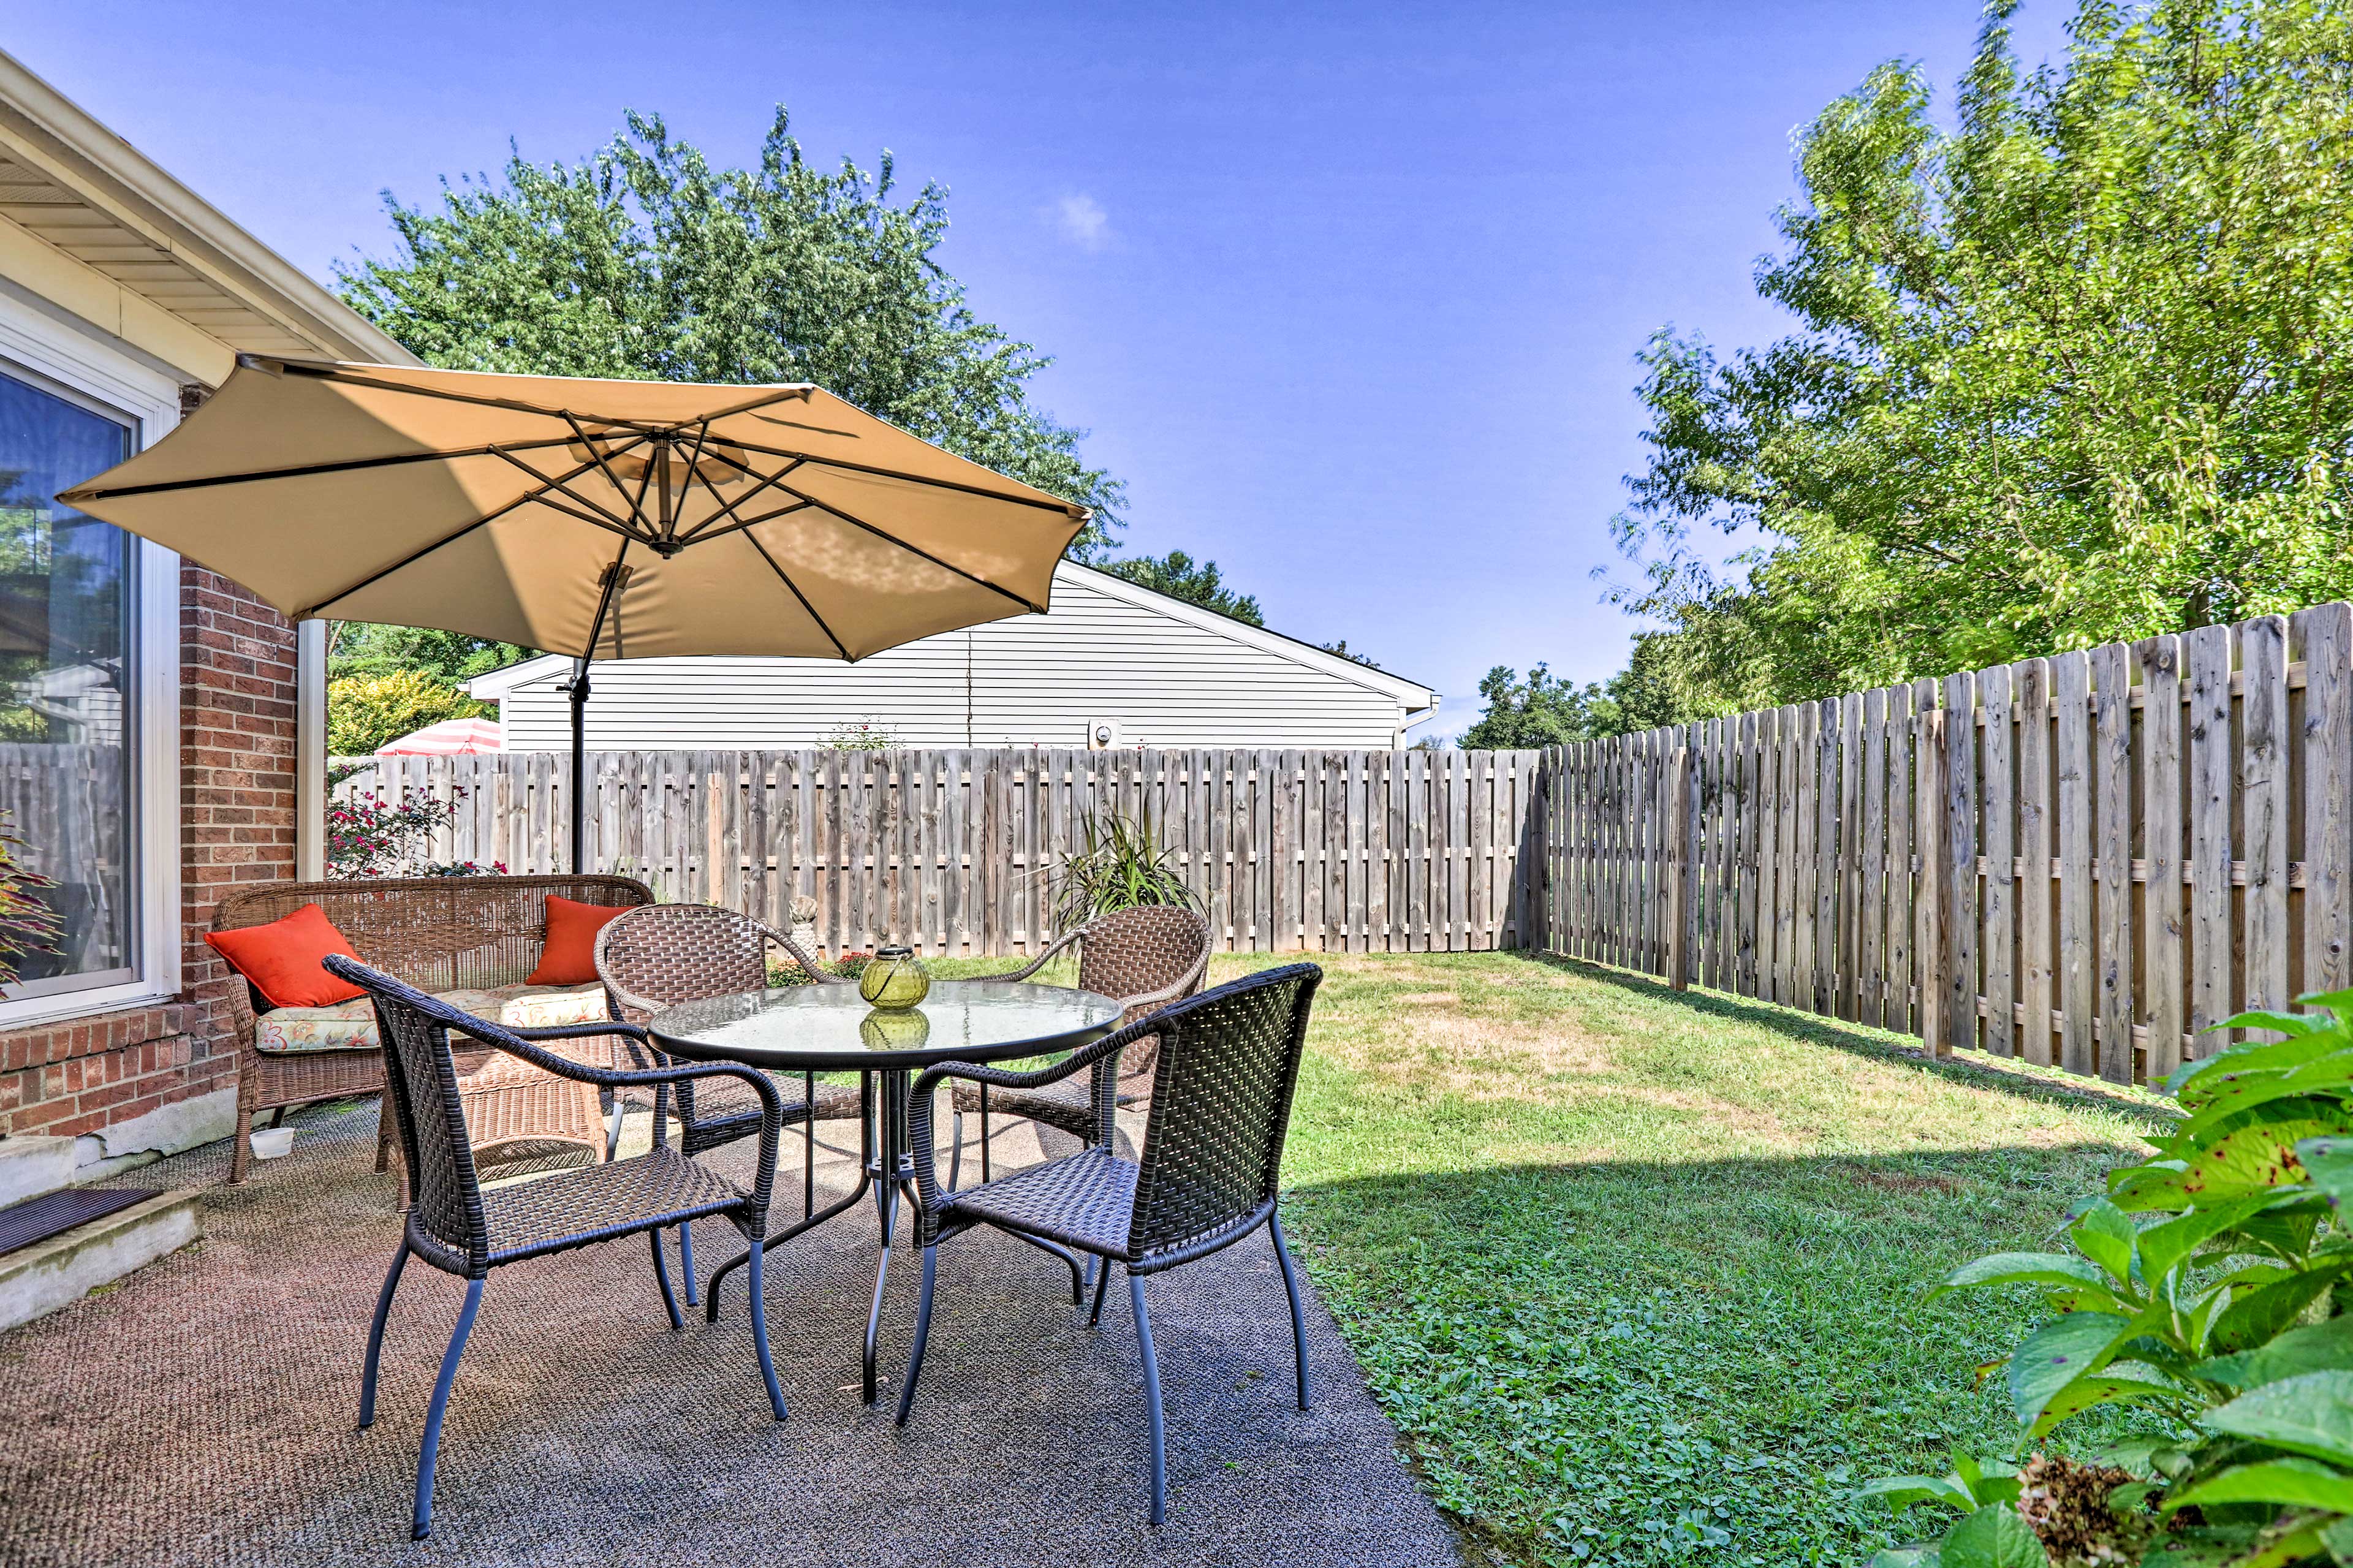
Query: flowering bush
x,y
368,836
783,971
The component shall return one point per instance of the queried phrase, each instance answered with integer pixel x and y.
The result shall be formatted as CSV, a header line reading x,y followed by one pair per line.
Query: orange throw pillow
x,y
282,957
569,957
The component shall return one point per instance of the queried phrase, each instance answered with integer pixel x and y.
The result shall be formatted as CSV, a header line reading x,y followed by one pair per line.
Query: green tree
x,y
363,711
1546,710
1180,577
361,647
2073,371
644,261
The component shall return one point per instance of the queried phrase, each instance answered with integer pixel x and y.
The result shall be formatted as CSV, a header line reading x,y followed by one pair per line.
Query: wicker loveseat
x,y
437,933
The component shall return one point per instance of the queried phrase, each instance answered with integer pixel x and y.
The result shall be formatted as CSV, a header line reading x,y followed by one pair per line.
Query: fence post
x,y
1680,864
1930,834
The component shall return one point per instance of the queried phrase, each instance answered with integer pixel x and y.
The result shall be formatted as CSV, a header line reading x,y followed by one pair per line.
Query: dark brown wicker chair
x,y
662,954
437,933
456,1227
1208,1175
1146,958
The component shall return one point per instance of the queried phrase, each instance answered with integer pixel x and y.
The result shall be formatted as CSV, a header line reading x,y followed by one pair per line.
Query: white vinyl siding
x,y
1037,681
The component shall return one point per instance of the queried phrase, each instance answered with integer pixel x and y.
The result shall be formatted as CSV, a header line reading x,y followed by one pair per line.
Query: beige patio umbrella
x,y
601,519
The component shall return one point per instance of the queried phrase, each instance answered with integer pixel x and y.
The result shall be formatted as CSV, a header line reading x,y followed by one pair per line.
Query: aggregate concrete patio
x,y
202,1412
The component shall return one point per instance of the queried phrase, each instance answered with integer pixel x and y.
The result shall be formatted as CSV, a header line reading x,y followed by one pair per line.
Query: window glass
x,y
67,718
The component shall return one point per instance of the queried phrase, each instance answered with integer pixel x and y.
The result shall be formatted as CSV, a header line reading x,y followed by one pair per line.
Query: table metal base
x,y
886,1168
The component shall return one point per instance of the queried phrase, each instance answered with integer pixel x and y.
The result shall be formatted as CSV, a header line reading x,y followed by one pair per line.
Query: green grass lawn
x,y
1640,1275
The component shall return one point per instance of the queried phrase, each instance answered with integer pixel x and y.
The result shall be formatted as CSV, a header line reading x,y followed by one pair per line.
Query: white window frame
x,y
149,398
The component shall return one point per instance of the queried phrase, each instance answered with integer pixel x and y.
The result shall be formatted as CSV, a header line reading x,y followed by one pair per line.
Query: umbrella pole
x,y
615,578
579,766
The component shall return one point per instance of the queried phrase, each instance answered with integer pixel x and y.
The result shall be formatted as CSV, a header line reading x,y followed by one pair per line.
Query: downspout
x,y
309,750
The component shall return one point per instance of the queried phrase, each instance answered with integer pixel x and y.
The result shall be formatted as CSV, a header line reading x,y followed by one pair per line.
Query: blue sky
x,y
1348,294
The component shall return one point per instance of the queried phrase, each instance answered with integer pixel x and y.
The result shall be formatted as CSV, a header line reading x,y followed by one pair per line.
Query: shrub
x,y
363,711
862,735
2202,1301
1119,866
368,836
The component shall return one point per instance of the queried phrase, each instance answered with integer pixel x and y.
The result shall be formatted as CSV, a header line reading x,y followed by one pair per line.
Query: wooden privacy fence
x,y
1289,851
2082,860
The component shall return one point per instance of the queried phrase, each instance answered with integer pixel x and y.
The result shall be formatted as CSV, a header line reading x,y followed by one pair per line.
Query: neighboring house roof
x,y
149,259
1412,695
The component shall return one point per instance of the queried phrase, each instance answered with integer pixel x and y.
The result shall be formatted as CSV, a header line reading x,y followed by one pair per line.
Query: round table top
x,y
826,1028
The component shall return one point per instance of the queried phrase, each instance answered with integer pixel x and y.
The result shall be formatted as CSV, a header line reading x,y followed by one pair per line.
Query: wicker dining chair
x,y
1145,958
1207,1176
661,954
456,1227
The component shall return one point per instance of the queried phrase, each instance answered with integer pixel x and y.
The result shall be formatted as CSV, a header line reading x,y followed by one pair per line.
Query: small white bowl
x,y
270,1142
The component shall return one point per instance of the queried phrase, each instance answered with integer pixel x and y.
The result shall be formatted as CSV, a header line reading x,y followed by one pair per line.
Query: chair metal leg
x,y
809,1146
1298,1319
1151,1401
431,1452
686,1257
922,1334
1103,1280
984,1135
613,1132
760,1334
661,1273
375,1337
955,1149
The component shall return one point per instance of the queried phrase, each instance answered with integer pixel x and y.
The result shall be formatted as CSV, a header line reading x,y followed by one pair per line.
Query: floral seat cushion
x,y
350,1025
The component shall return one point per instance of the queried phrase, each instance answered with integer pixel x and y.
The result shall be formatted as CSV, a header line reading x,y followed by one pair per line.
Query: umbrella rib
x,y
693,470
343,373
887,538
1047,504
636,503
784,577
707,535
482,521
702,530
564,487
305,471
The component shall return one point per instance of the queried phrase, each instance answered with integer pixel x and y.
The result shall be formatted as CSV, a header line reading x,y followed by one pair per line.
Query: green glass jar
x,y
899,1029
894,979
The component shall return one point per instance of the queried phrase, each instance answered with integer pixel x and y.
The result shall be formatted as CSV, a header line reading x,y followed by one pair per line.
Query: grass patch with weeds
x,y
1639,1277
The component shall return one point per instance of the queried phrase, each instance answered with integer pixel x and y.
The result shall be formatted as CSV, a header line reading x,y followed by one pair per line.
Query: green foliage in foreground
x,y
2204,1292
2068,366
1640,1277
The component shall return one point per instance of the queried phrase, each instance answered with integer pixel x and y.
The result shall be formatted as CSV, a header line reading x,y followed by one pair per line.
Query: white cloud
x,y
1083,222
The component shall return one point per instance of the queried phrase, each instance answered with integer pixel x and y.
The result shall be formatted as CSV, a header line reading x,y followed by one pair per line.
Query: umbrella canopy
x,y
449,738
601,519
751,520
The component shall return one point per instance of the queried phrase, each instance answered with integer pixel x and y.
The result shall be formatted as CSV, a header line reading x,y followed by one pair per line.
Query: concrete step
x,y
32,1167
39,1279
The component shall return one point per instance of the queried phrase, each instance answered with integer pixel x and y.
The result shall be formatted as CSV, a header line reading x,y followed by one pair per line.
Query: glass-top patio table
x,y
831,1028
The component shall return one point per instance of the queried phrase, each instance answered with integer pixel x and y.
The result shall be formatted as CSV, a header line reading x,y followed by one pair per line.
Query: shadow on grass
x,y
1864,1040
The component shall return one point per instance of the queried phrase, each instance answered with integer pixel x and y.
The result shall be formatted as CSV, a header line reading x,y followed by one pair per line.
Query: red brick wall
x,y
236,825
